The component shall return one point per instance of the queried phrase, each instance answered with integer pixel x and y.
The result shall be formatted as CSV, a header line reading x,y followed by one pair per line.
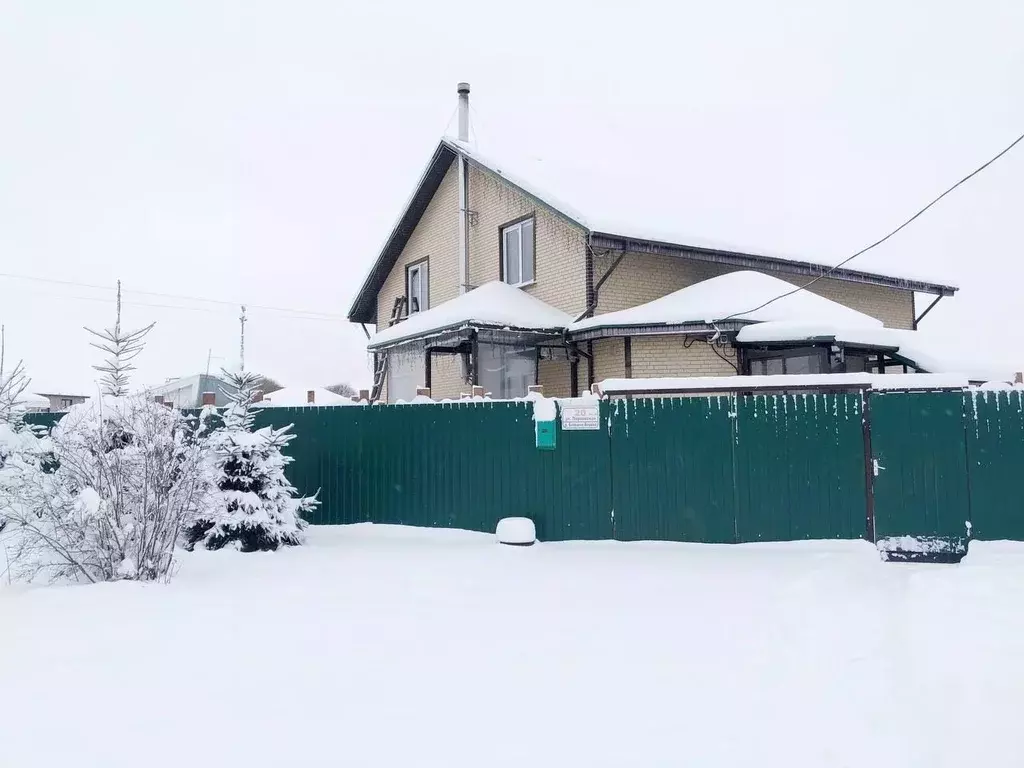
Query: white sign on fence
x,y
580,414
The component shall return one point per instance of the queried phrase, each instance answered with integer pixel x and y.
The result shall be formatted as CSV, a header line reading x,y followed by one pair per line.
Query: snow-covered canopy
x,y
732,295
492,305
31,401
923,352
292,397
635,202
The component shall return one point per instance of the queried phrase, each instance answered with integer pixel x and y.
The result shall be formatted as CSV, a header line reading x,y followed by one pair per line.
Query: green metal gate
x,y
672,469
919,456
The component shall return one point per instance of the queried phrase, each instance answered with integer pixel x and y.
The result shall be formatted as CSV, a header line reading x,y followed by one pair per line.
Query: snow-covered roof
x,y
731,296
32,400
622,204
634,203
924,352
292,397
492,305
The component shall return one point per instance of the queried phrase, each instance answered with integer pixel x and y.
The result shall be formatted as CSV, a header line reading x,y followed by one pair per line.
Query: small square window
x,y
517,256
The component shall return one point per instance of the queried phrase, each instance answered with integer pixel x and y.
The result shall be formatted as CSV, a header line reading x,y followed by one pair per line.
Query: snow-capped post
x,y
252,506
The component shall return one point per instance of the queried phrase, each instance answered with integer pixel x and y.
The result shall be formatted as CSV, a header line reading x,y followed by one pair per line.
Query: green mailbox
x,y
545,435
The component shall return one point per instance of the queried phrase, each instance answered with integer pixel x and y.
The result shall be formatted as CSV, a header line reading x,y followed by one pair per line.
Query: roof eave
x,y
618,330
467,325
612,241
363,309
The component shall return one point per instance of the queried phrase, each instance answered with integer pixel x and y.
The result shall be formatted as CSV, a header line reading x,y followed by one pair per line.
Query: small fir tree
x,y
253,505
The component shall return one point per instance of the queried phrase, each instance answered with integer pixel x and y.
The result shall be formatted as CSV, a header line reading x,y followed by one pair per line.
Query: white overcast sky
x,y
260,152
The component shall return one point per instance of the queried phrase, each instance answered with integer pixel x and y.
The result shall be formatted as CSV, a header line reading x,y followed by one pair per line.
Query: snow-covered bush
x,y
129,478
253,506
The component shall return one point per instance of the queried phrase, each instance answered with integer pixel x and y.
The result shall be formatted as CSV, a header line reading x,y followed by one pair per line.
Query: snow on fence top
x,y
495,304
782,382
733,294
293,397
642,201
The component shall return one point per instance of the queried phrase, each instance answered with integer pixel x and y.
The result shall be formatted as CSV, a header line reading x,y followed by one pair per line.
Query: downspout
x,y
463,90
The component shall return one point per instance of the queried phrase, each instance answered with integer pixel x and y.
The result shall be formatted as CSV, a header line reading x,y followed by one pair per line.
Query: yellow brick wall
x,y
436,237
643,277
554,376
560,278
610,359
655,356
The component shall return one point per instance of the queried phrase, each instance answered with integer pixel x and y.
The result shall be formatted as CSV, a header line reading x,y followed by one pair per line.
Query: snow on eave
x,y
494,305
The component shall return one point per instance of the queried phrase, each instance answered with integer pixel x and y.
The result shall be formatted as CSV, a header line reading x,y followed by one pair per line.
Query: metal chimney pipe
x,y
463,111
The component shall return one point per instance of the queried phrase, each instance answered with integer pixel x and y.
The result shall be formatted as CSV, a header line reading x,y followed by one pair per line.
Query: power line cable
x,y
878,242
223,302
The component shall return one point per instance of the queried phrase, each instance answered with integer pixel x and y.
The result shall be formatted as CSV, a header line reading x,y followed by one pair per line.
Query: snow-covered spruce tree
x,y
129,478
254,507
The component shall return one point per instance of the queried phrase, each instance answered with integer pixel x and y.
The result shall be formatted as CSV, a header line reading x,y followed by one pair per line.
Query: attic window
x,y
416,285
517,252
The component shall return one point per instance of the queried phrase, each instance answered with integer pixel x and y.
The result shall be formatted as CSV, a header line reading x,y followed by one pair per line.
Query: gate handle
x,y
876,466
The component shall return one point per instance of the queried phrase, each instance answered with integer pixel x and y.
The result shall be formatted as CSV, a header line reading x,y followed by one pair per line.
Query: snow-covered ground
x,y
378,646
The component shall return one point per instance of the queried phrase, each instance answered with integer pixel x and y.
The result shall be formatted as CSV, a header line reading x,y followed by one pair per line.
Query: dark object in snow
x,y
922,549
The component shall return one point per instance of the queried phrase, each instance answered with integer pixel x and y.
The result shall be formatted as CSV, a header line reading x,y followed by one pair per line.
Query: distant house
x,y
188,392
60,402
488,279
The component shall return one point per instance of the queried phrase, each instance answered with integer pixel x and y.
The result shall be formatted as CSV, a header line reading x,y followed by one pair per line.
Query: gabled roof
x,y
492,305
605,229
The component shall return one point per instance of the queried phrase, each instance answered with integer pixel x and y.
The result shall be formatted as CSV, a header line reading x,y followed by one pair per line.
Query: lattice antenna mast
x,y
121,348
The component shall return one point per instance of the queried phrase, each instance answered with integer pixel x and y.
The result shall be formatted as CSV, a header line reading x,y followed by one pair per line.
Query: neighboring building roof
x,y
62,394
34,400
603,226
292,397
730,296
492,305
922,352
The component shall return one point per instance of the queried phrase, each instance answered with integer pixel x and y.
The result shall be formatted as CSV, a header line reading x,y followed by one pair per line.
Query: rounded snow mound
x,y
519,531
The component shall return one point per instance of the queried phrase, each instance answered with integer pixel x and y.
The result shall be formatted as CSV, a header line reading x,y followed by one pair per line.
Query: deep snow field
x,y
382,646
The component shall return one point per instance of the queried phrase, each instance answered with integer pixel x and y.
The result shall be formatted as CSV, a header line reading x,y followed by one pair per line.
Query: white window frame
x,y
517,227
422,271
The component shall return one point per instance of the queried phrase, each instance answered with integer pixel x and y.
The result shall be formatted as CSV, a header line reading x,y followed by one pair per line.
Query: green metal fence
x,y
731,468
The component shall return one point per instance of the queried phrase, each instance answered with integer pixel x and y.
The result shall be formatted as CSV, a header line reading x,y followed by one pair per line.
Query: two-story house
x,y
487,280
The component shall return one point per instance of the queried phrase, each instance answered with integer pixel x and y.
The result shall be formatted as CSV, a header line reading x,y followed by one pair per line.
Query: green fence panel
x,y
800,467
995,451
44,420
671,469
918,441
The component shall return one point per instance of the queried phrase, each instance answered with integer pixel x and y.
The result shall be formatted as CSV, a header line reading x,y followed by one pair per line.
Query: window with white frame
x,y
416,284
517,257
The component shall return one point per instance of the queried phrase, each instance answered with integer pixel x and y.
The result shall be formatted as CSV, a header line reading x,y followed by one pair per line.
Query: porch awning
x,y
926,354
724,302
494,306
